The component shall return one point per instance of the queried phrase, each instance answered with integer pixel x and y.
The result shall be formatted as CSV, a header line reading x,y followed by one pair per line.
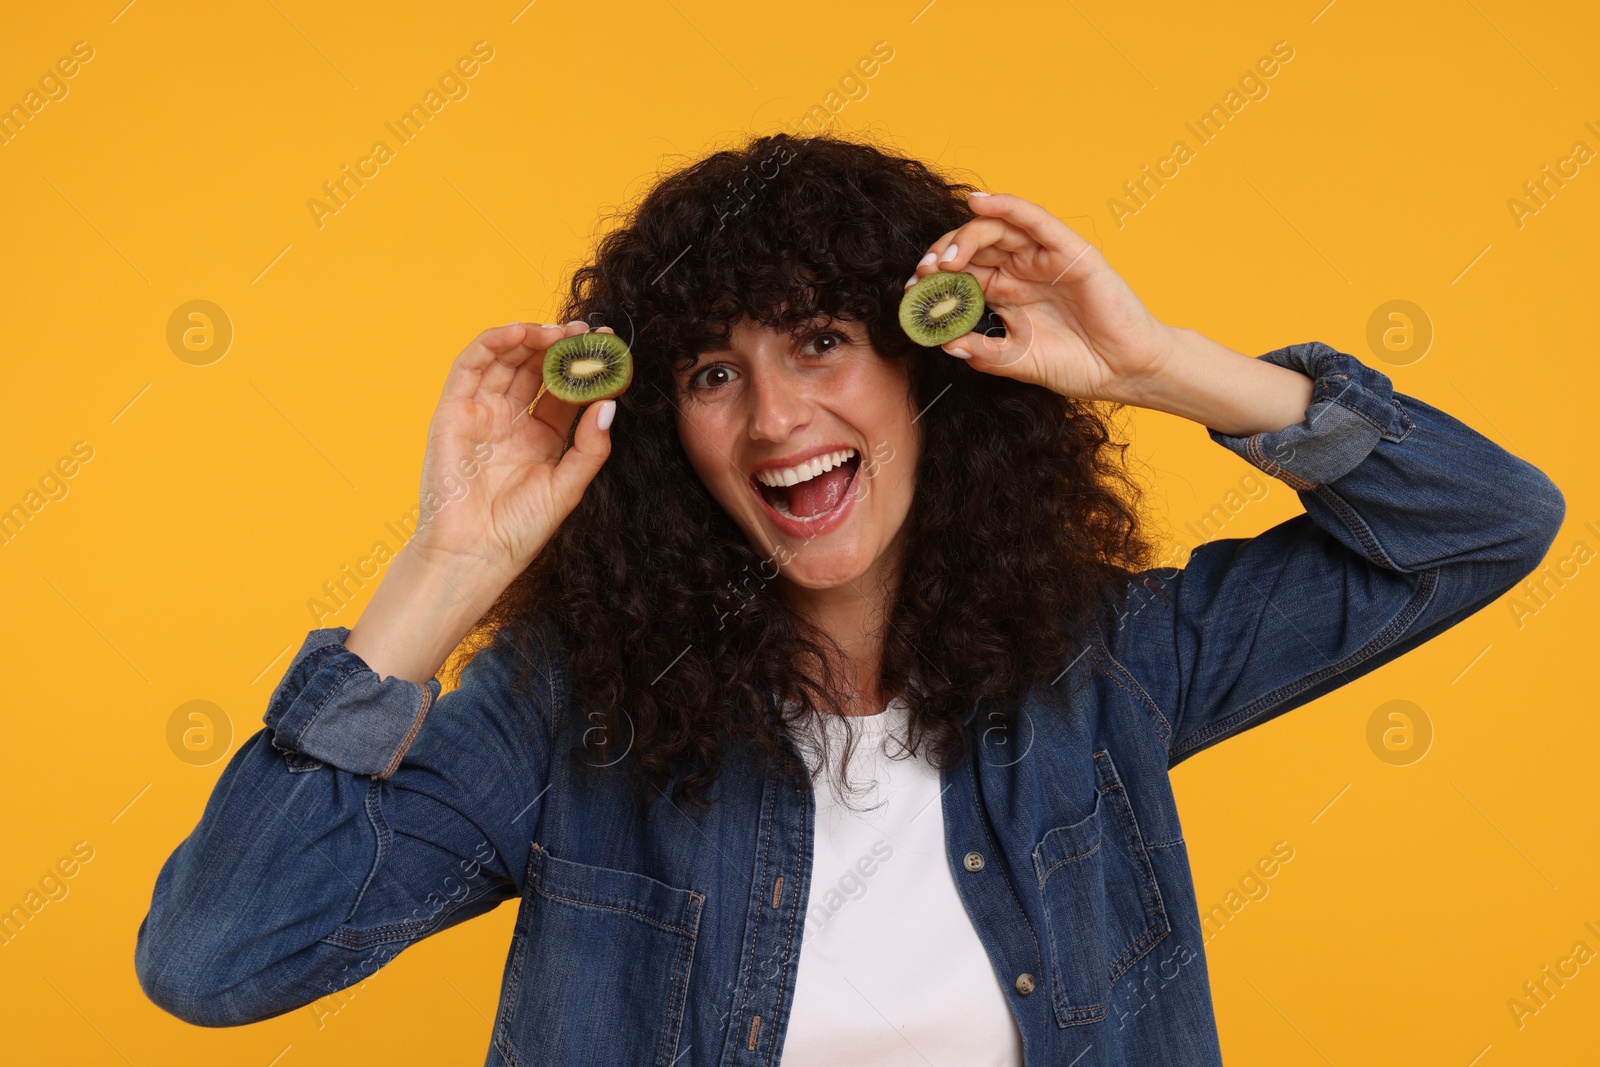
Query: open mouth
x,y
810,491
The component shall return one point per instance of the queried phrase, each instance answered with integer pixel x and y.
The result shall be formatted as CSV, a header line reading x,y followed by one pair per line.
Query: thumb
x,y
591,445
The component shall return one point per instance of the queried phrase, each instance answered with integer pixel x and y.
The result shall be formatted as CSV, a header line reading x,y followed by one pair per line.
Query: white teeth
x,y
806,471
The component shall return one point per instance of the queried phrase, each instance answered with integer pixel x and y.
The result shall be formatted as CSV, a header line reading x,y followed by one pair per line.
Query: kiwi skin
x,y
606,381
930,331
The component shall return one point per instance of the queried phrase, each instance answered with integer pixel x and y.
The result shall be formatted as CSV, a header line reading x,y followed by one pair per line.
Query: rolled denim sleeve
x,y
1413,522
335,709
1353,407
367,814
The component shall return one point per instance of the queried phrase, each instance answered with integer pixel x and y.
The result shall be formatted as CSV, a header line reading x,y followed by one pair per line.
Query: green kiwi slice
x,y
587,367
941,307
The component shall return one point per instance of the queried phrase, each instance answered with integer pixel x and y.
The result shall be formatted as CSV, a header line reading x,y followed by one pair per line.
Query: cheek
x,y
706,443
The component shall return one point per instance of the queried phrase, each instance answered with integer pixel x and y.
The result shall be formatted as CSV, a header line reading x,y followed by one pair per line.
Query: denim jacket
x,y
373,812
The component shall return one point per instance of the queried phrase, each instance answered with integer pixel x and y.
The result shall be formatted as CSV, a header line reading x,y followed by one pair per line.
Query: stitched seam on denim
x,y
787,959
502,1042
1252,447
1379,642
1065,860
298,762
1382,428
995,850
1150,892
670,1029
332,689
348,937
1066,1014
1405,417
1164,728
1139,949
1174,843
513,982
783,981
411,735
295,678
769,800
680,981
1357,525
311,664
380,831
642,916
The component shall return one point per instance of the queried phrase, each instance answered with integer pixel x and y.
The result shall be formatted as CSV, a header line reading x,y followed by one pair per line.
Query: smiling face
x,y
809,445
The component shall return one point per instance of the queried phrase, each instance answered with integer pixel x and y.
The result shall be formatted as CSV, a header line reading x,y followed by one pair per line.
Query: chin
x,y
826,573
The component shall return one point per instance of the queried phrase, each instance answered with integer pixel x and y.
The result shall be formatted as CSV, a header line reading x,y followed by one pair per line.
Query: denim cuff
x,y
334,708
1352,409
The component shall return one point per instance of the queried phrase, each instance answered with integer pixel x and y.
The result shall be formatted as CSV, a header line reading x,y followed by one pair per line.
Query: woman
x,y
798,525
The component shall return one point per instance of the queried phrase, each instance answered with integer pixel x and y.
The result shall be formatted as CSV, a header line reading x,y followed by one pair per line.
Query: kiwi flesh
x,y
941,307
587,367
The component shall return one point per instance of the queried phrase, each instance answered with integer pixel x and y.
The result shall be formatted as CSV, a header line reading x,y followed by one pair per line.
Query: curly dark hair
x,y
1024,514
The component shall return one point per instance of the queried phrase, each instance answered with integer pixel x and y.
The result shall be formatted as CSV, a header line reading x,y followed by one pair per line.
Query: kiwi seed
x,y
587,367
941,307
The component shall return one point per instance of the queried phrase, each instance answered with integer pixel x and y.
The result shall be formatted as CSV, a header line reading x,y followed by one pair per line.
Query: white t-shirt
x,y
891,971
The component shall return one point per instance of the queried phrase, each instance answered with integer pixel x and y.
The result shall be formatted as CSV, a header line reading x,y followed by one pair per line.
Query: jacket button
x,y
973,861
1024,983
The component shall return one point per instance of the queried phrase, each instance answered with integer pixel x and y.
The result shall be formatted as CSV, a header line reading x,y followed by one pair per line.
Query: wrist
x,y
426,603
1199,379
1170,371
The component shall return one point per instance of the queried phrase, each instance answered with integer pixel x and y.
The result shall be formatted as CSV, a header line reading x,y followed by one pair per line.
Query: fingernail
x,y
577,322
958,353
551,325
976,192
911,281
950,253
608,411
515,322
926,261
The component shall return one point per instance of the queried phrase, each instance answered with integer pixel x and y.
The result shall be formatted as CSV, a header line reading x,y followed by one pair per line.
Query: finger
x,y
995,238
551,409
982,273
591,445
529,373
999,352
1035,221
467,371
555,413
498,376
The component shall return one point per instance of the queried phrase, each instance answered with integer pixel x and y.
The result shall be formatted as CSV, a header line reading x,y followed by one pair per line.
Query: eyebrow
x,y
817,324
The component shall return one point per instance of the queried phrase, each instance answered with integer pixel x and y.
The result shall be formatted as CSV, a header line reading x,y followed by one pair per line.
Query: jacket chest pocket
x,y
599,967
1101,905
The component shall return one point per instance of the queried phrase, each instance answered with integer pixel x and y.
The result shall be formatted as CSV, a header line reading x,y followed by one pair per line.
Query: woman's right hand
x,y
495,485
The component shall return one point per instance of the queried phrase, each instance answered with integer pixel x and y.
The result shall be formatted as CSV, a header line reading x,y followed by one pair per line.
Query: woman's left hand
x,y
1072,324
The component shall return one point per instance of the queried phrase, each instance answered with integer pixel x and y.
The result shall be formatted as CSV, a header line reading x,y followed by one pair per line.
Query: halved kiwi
x,y
587,367
941,307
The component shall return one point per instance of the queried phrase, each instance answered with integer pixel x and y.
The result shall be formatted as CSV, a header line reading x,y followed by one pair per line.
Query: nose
x,y
778,406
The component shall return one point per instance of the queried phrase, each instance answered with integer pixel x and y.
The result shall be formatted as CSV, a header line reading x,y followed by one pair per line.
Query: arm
x,y
371,811
368,814
1413,522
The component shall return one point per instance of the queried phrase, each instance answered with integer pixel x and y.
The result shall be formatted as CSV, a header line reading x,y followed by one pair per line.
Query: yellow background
x,y
179,564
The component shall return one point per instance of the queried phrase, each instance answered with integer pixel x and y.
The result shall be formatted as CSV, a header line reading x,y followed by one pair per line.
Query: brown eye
x,y
834,336
712,377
